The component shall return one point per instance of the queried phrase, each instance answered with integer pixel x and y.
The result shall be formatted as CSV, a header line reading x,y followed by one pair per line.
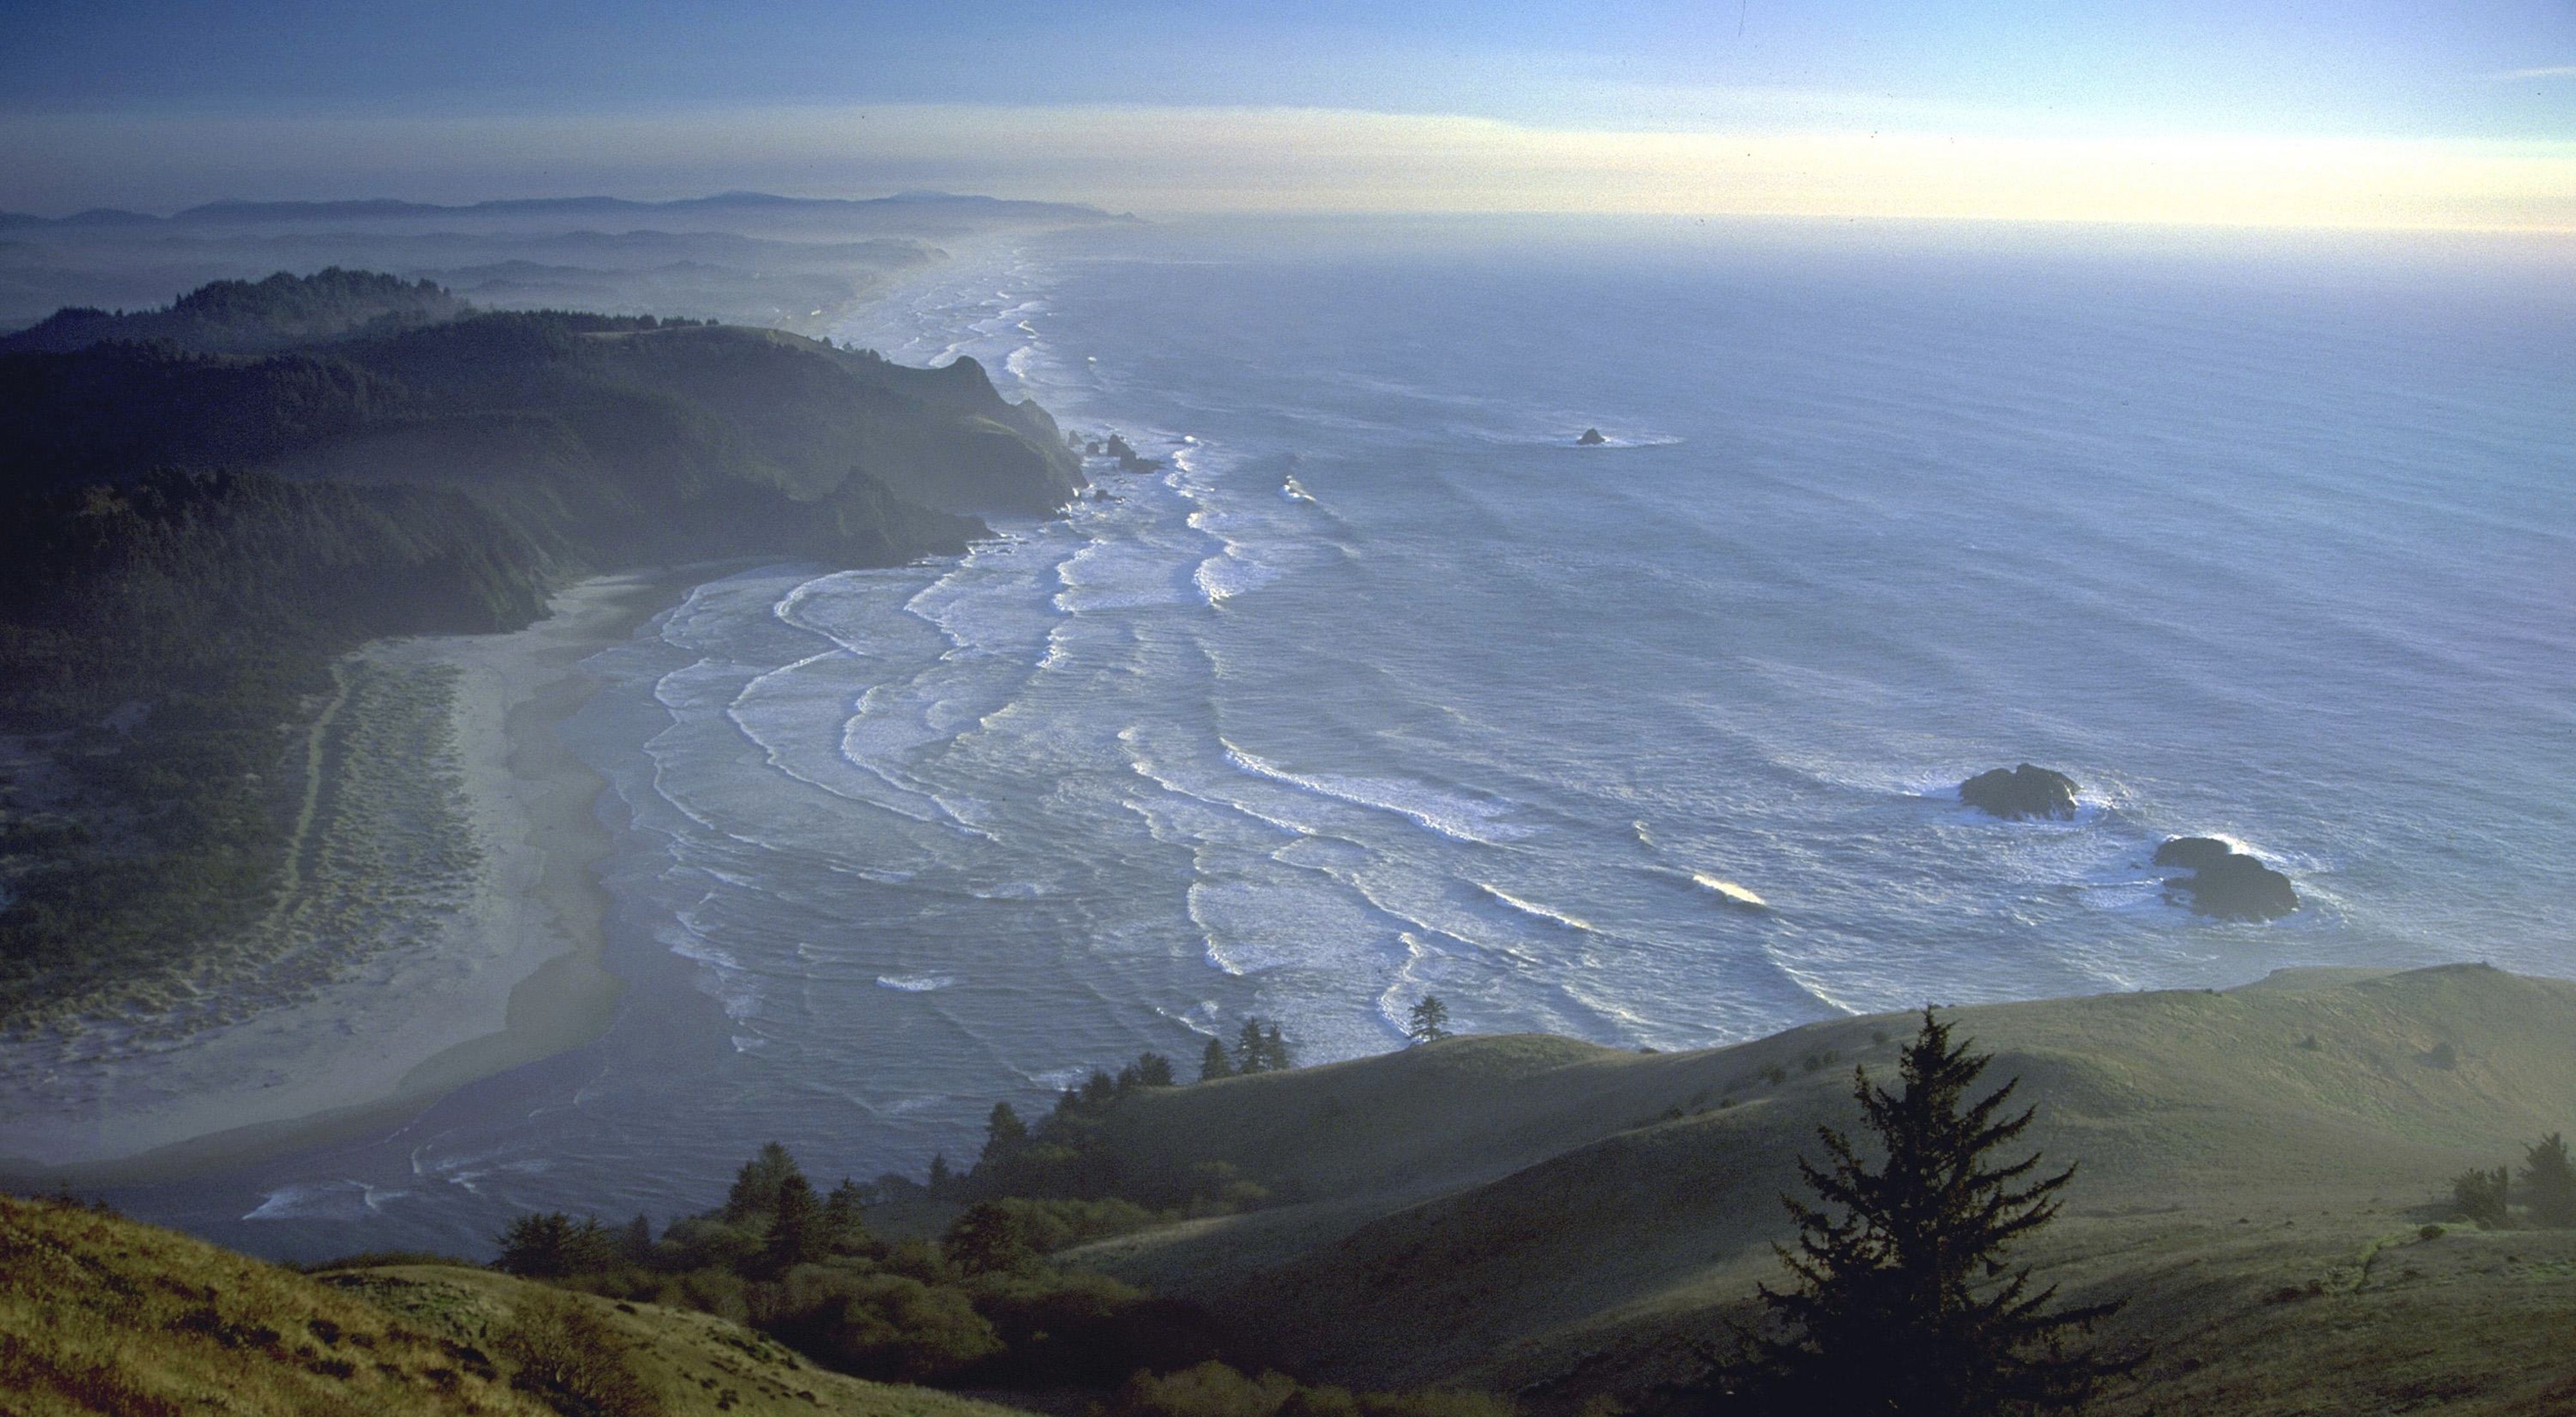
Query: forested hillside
x,y
188,538
239,316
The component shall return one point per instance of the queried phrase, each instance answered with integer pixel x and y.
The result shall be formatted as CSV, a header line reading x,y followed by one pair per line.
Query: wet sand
x,y
507,973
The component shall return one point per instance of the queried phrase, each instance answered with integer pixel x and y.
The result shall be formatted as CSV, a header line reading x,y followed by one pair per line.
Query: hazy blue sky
x,y
1330,104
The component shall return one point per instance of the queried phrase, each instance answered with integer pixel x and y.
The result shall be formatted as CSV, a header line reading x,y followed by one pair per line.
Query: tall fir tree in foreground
x,y
1904,1302
1214,1063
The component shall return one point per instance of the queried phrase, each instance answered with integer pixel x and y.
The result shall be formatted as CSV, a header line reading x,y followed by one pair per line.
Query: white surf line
x,y
1538,911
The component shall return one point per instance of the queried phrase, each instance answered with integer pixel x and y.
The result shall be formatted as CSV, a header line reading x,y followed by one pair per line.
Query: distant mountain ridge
x,y
387,208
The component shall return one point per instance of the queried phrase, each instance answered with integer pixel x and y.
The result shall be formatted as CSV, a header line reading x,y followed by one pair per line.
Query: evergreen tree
x,y
797,1234
1153,1070
552,1245
940,1177
1430,1020
1903,1303
2480,1196
988,1238
1214,1064
1274,1051
1005,1135
845,1230
635,1242
2549,1183
1250,1056
532,1246
755,1186
1099,1089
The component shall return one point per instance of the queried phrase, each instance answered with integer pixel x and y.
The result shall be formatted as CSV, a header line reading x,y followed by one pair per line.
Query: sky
x,y
2262,112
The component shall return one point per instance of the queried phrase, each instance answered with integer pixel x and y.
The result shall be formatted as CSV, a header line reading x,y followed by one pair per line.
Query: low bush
x,y
1216,1390
573,1361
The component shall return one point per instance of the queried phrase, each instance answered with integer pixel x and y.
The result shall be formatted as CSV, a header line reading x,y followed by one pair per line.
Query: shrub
x,y
2549,1183
1435,1403
1051,1225
701,1242
573,1361
1208,1390
1215,1390
2479,1196
896,1330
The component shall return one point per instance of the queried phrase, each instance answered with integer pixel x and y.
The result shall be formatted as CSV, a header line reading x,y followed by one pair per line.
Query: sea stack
x,y
1591,439
1129,460
2224,883
2024,791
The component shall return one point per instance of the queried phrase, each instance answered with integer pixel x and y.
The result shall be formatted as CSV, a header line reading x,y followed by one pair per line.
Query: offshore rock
x,y
2225,883
1591,439
1129,460
2024,791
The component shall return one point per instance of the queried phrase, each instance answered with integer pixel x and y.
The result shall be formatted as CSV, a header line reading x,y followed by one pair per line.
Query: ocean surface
x,y
1379,685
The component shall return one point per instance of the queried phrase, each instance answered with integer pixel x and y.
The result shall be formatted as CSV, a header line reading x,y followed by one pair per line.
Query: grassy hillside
x,y
1577,1216
101,1315
2264,1178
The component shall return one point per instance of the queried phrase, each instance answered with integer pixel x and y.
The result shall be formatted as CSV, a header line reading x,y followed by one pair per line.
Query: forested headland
x,y
190,535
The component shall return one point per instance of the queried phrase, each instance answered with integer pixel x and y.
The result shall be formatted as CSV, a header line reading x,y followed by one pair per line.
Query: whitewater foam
x,y
1457,818
1533,909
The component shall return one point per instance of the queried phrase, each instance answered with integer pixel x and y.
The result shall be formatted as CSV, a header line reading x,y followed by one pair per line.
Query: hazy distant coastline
x,y
795,264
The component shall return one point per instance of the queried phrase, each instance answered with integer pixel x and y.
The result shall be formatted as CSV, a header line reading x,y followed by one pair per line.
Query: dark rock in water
x,y
1591,439
2193,853
1128,459
2225,883
2025,791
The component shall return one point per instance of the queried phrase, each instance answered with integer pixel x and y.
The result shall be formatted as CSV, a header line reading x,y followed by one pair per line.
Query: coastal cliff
x,y
194,536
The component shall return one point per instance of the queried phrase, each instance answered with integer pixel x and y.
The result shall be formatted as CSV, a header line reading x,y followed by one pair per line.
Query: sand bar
x,y
505,970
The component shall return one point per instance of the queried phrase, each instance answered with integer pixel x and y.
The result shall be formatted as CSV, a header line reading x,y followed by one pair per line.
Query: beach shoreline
x,y
512,971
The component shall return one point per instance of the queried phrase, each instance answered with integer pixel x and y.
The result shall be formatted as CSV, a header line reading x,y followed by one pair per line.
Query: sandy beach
x,y
443,914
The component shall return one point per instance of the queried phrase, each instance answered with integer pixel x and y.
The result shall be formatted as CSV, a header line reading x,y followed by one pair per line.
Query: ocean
x,y
1379,685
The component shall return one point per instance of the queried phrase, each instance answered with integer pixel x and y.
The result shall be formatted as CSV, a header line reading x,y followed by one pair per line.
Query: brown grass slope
x,y
100,1315
1561,1219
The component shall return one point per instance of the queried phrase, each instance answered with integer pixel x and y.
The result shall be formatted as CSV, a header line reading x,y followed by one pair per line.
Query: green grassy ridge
x,y
102,1315
1561,1203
